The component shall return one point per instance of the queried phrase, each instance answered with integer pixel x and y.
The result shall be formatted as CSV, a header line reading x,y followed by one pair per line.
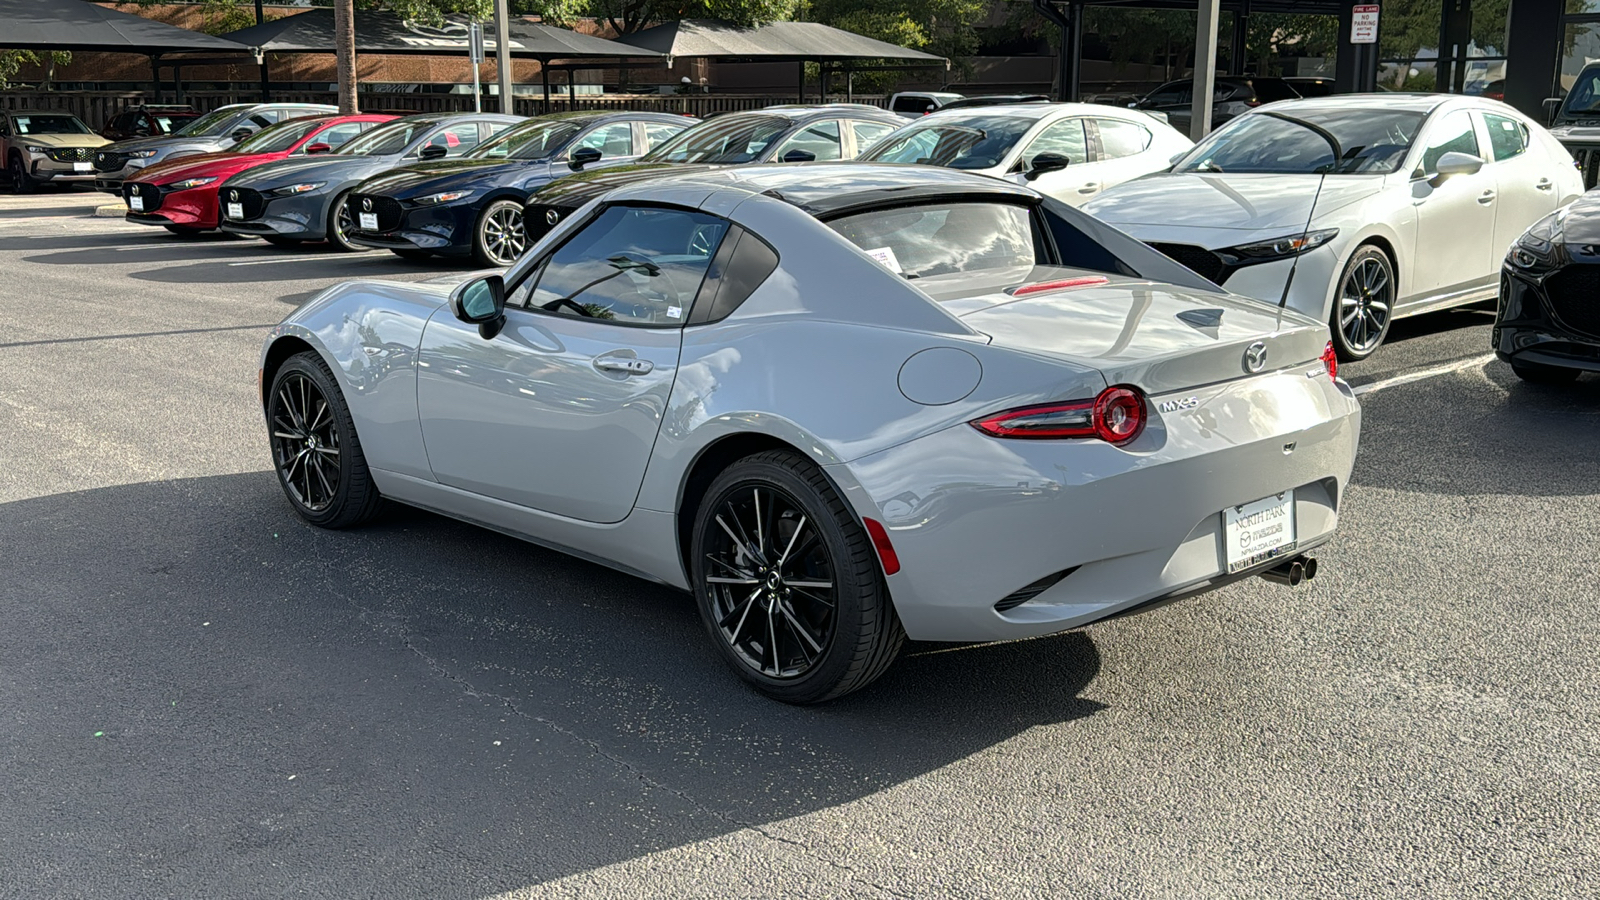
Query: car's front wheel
x,y
340,224
499,239
315,451
1540,373
788,583
1364,305
20,180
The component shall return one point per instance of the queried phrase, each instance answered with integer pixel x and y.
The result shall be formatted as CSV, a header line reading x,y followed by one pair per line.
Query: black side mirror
x,y
241,134
1046,162
319,148
798,155
481,302
583,156
433,151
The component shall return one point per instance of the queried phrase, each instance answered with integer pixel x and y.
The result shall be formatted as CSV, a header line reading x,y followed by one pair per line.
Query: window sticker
x,y
886,256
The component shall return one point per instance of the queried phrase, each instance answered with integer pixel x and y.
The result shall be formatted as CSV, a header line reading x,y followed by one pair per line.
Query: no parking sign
x,y
1364,24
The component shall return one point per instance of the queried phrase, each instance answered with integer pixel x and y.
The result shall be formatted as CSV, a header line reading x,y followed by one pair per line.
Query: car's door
x,y
1525,189
1120,150
1080,180
559,411
1455,217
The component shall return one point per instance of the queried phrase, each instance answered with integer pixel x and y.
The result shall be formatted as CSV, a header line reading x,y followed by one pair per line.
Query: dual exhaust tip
x,y
1293,571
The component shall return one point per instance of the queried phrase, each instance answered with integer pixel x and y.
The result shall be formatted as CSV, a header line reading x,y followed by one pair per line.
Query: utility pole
x,y
1205,68
502,53
344,45
266,76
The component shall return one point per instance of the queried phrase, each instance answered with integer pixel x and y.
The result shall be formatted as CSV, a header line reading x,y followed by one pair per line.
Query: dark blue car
x,y
472,206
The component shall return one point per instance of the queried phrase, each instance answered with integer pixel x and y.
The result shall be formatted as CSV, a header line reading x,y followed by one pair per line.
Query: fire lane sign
x,y
1364,24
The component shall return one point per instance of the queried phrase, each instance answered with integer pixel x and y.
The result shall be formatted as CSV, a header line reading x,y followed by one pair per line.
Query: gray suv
x,y
1576,122
217,130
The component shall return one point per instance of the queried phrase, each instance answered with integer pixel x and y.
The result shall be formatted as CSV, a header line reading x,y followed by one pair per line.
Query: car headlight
x,y
33,149
141,154
188,183
1536,247
444,197
1282,247
292,189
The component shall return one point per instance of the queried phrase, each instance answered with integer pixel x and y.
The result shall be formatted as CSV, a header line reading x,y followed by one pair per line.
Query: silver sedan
x,y
843,404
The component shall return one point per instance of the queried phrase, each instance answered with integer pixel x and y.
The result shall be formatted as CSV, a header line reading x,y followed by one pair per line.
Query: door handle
x,y
1544,184
624,365
1486,198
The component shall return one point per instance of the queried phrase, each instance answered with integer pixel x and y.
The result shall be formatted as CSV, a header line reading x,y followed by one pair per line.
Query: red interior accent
x,y
880,540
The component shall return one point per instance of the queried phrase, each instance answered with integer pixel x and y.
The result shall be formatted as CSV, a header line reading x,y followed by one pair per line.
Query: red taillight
x,y
880,540
1116,416
1059,285
1330,360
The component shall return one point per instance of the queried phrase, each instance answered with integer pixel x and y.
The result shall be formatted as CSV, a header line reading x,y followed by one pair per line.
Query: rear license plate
x,y
235,210
136,203
369,221
82,167
1256,532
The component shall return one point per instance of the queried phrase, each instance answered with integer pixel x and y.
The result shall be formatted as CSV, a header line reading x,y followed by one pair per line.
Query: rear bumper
x,y
990,517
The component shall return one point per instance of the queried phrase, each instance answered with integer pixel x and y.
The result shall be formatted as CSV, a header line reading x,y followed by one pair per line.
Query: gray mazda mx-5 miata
x,y
843,404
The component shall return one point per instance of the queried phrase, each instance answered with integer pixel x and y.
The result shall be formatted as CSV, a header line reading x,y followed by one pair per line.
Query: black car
x,y
1230,97
473,205
1547,324
1576,122
774,134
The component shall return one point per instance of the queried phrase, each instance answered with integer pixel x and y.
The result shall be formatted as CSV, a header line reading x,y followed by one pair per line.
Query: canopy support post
x,y
155,75
544,73
266,76
502,54
850,85
800,89
1238,48
572,94
1205,68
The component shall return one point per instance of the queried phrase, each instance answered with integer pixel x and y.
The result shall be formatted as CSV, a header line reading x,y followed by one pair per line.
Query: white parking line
x,y
1423,374
279,259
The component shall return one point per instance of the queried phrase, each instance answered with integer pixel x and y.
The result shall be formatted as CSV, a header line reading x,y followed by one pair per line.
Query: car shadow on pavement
x,y
1524,439
206,692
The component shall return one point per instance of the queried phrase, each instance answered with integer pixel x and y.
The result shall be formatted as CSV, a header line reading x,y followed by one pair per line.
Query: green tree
x,y
12,61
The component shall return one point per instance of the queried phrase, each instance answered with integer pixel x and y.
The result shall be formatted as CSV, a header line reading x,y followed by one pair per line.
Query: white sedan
x,y
1069,151
1356,209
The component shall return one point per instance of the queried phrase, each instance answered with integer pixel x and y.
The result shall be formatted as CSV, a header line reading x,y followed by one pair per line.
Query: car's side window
x,y
632,265
491,129
337,135
1170,94
1507,136
5,126
821,139
1119,139
658,133
1453,133
869,133
740,265
1064,138
613,141
457,139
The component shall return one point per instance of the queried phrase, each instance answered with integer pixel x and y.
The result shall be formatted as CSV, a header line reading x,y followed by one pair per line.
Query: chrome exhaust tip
x,y
1292,572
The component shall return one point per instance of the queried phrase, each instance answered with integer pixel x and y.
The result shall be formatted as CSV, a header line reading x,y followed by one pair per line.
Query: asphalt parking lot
x,y
203,697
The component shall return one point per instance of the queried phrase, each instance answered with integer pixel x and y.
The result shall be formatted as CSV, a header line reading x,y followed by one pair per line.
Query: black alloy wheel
x,y
316,454
340,224
499,239
20,181
1364,306
788,584
1541,373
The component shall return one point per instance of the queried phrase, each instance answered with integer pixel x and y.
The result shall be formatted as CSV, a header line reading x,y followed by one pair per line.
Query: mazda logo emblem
x,y
234,196
551,216
1255,357
366,204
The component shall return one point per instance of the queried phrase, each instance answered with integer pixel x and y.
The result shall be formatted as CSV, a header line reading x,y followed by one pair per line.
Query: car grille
x,y
71,154
109,160
148,192
1588,161
1574,294
387,209
252,202
1202,261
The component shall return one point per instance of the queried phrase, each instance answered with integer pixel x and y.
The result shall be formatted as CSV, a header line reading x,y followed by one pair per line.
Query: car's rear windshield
x,y
278,138
974,141
944,238
34,123
725,140
167,121
211,124
530,140
1371,141
387,139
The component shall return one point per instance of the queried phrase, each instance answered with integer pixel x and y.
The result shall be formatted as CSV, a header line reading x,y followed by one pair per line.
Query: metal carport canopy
x,y
76,25
389,33
773,42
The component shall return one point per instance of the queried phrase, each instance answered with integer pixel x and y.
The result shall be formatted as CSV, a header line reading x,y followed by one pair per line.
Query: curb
x,y
110,212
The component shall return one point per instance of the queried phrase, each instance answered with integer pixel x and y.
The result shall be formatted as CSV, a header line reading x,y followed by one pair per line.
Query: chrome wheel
x,y
1365,304
305,442
501,238
771,582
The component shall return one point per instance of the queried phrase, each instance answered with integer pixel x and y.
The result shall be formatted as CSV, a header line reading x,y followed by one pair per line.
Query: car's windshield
x,y
725,139
278,138
387,139
955,142
943,238
530,140
1371,141
1584,98
49,124
210,124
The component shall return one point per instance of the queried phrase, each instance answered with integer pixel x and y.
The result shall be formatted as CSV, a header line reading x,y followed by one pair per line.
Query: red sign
x,y
1364,24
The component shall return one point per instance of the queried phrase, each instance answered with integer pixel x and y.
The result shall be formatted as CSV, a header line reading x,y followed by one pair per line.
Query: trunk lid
x,y
1159,337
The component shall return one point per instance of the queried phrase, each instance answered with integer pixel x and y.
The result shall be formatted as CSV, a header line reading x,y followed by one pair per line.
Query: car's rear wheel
x,y
21,182
499,239
412,255
315,451
788,582
340,224
1540,373
1364,304
281,241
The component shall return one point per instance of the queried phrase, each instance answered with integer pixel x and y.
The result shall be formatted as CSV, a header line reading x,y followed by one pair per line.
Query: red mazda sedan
x,y
181,194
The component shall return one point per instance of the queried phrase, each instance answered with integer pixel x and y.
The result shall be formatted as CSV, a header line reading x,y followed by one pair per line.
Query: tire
x,y
282,241
1363,305
339,225
21,181
411,255
313,437
811,652
1541,373
498,239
